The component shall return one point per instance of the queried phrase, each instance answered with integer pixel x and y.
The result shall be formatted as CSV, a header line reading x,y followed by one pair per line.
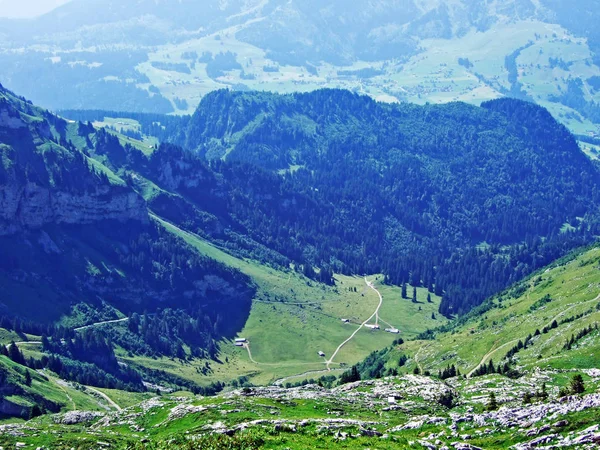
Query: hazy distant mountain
x,y
28,8
164,56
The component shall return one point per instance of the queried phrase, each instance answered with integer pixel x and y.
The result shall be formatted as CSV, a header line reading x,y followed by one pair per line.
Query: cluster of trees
x,y
574,97
541,302
167,332
576,387
449,372
448,399
87,357
521,345
374,366
501,369
170,379
327,381
127,132
580,335
465,62
94,367
493,403
220,63
539,395
579,316
350,376
19,325
552,326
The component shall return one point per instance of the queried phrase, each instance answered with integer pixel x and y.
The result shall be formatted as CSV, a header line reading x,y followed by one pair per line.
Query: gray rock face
x,y
77,417
31,206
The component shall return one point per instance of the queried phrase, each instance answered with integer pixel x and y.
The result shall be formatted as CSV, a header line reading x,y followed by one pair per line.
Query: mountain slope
x,y
392,183
150,297
533,404
428,195
109,297
546,322
156,56
80,247
43,182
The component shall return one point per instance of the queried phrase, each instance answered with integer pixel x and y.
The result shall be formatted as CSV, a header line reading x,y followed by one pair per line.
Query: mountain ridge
x,y
156,57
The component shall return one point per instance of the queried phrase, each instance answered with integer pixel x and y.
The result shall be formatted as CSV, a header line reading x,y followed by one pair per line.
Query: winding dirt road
x,y
97,324
329,362
105,397
375,314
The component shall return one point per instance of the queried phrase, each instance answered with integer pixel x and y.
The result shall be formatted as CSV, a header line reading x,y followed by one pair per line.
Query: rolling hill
x,y
392,182
157,56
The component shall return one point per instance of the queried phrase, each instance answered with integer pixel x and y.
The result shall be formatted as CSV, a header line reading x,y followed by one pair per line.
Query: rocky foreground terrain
x,y
396,412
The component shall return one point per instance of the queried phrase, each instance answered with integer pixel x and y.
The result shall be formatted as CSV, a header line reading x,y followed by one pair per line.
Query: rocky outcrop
x,y
31,206
77,417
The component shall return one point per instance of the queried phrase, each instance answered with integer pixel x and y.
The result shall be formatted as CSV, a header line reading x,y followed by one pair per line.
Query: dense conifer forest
x,y
460,199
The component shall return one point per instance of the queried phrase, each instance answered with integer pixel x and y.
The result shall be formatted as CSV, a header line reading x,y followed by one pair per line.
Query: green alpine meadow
x,y
269,224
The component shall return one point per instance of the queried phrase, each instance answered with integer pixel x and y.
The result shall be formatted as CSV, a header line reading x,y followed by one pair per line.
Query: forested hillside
x,y
78,246
460,199
456,199
547,322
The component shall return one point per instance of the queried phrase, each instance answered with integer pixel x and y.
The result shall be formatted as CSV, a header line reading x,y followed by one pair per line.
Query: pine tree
x,y
493,404
543,395
414,297
577,385
45,343
27,378
15,354
404,293
429,298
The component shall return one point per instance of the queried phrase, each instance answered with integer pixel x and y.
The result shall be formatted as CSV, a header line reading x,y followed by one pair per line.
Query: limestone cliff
x,y
45,180
31,206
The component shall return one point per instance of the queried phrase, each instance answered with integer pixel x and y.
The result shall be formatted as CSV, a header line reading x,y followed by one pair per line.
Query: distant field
x,y
432,75
123,125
